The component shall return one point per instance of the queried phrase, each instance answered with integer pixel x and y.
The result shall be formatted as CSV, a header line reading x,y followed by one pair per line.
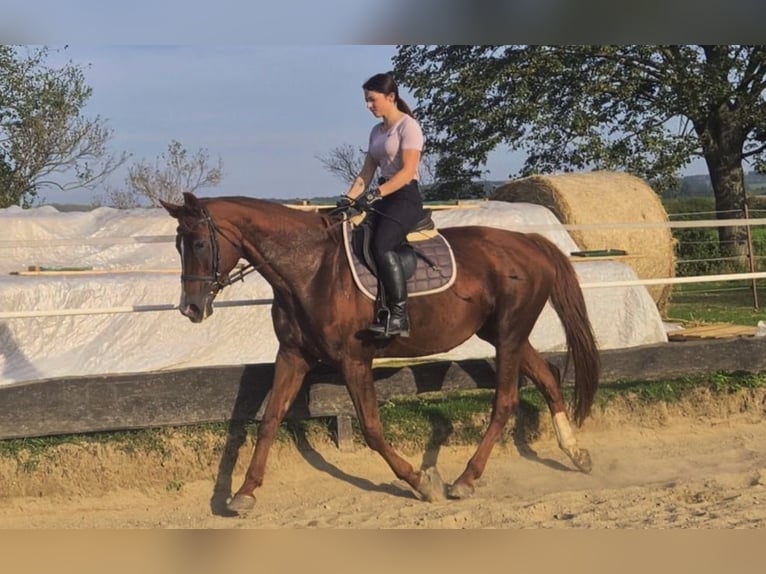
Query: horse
x,y
504,279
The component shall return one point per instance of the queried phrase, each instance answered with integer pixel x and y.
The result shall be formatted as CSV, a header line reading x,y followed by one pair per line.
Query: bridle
x,y
217,279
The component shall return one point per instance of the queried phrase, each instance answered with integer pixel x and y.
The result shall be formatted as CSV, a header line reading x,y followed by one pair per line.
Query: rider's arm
x,y
364,178
410,160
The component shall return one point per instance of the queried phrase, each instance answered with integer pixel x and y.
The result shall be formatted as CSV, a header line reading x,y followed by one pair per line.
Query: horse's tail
x,y
568,301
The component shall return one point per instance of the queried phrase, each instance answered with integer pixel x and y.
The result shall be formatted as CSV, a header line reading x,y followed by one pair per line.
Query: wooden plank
x,y
736,331
599,253
677,359
714,331
46,272
58,268
630,256
239,393
345,432
84,404
604,258
436,207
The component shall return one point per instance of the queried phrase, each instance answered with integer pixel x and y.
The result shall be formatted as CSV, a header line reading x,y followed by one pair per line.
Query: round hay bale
x,y
606,198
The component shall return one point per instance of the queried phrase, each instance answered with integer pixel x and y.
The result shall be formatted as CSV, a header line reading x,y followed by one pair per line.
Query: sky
x,y
266,111
268,86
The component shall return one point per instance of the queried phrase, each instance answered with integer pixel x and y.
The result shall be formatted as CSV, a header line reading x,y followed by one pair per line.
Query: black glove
x,y
365,201
346,205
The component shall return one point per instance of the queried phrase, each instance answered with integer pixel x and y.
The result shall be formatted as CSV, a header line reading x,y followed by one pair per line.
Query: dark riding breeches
x,y
396,215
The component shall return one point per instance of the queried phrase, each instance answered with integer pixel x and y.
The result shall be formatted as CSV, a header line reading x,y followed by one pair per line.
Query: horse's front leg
x,y
360,383
290,368
505,403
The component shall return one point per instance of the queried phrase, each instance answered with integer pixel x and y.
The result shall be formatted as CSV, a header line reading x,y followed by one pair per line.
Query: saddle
x,y
426,256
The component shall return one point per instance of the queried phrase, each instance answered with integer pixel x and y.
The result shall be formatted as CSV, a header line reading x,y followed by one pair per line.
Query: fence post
x,y
751,257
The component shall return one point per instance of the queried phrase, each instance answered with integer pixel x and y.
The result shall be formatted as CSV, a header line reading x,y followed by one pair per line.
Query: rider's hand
x,y
346,205
365,201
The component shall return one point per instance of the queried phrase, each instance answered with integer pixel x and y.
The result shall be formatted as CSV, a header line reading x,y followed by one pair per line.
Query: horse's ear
x,y
172,208
192,204
190,200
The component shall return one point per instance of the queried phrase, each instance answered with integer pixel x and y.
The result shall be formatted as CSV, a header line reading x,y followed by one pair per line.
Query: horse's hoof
x,y
460,491
581,459
431,487
241,503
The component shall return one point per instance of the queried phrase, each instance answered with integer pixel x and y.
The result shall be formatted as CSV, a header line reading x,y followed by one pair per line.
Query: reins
x,y
217,278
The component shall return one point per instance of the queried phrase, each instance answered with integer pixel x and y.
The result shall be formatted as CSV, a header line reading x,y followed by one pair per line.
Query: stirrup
x,y
382,326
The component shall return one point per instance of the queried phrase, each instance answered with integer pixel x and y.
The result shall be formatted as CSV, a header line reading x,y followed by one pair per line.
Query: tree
x,y
121,198
44,139
345,162
647,110
172,173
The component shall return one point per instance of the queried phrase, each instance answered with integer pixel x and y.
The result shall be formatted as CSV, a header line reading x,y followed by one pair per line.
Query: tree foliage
x,y
172,173
647,110
44,139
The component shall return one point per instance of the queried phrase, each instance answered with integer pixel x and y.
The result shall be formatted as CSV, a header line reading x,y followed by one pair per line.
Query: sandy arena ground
x,y
701,464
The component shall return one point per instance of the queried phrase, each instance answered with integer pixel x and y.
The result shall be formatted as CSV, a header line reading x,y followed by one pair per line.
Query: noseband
x,y
217,279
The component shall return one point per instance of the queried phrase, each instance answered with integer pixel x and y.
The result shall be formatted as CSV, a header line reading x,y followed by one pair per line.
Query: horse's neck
x,y
288,246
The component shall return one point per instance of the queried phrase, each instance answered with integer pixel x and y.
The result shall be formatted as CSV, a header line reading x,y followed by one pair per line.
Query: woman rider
x,y
395,147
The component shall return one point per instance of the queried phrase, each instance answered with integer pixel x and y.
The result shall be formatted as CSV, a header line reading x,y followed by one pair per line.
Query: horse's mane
x,y
328,223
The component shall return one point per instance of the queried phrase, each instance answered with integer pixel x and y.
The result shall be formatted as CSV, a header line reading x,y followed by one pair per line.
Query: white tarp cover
x,y
144,273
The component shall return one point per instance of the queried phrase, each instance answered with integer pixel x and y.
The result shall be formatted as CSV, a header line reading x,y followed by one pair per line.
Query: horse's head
x,y
208,255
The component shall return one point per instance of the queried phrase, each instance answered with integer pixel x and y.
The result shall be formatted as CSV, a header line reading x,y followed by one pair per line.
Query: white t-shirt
x,y
386,145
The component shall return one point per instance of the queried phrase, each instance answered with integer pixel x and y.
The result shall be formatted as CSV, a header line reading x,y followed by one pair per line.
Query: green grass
x,y
721,302
415,421
673,390
32,452
462,416
457,417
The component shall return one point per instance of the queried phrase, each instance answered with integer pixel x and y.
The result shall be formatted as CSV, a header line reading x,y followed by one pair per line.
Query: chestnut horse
x,y
503,281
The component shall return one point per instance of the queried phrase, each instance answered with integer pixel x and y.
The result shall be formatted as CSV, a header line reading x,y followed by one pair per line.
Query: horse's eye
x,y
199,244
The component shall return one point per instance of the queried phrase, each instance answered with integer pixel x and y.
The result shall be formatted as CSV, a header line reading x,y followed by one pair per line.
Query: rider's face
x,y
379,104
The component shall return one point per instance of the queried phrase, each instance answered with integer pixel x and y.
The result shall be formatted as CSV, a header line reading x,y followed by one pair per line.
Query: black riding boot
x,y
391,276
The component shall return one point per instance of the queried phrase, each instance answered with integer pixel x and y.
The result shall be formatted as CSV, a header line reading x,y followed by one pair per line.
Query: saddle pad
x,y
426,279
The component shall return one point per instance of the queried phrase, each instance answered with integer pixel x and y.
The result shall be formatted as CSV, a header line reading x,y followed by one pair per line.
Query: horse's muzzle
x,y
196,313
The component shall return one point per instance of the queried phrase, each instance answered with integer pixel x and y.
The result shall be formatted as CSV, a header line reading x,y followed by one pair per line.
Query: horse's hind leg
x,y
360,384
546,379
